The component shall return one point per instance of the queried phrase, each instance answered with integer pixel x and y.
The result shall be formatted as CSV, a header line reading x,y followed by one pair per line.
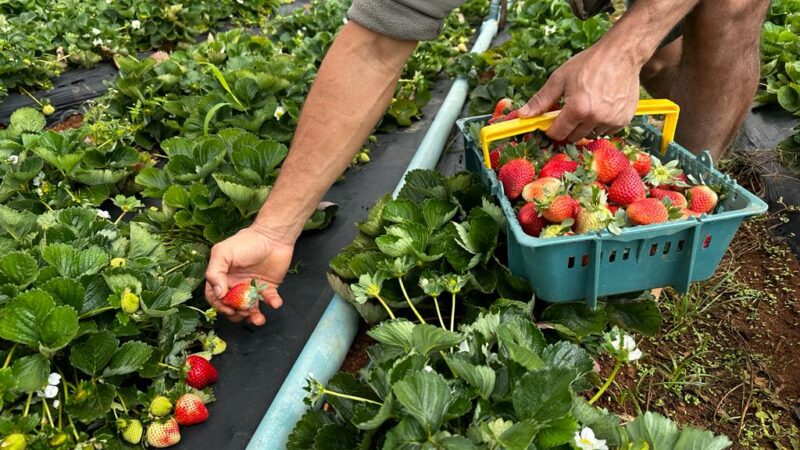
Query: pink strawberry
x,y
501,107
647,211
199,372
676,198
702,199
627,187
190,410
163,434
557,166
561,208
541,190
244,296
530,220
514,175
606,161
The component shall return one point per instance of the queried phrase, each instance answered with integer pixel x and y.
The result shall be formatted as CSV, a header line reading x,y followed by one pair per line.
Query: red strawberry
x,y
557,166
561,208
583,144
676,198
163,434
680,183
190,410
530,220
514,175
642,163
647,211
606,161
497,152
702,199
501,107
244,296
199,372
618,142
613,208
627,188
541,190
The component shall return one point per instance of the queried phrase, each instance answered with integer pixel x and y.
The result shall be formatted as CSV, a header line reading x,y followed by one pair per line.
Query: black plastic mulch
x,y
258,359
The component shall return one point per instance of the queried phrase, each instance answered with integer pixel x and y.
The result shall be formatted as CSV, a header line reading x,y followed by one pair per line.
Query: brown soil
x,y
357,355
729,364
73,121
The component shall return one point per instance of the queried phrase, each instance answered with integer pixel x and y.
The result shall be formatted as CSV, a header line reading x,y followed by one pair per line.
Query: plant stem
x,y
74,431
350,397
183,264
95,312
439,312
122,402
119,218
8,358
408,300
608,382
168,366
386,306
27,405
453,313
47,412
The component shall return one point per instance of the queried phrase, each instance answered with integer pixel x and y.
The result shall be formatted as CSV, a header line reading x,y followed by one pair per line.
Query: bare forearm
x,y
641,29
354,85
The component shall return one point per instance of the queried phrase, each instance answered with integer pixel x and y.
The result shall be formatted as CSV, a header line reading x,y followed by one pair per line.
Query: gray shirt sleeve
x,y
407,20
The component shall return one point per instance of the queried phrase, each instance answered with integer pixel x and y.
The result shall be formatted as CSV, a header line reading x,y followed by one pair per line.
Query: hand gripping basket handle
x,y
514,127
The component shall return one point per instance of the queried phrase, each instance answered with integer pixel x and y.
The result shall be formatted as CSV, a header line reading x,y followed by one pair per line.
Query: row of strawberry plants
x,y
42,38
464,356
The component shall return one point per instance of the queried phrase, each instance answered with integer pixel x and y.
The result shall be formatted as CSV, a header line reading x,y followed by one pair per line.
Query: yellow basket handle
x,y
514,127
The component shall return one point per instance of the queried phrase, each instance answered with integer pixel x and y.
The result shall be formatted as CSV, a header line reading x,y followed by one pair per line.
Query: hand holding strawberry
x,y
249,254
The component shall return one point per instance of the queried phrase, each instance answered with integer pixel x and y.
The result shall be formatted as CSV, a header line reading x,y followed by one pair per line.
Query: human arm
x,y
354,85
600,86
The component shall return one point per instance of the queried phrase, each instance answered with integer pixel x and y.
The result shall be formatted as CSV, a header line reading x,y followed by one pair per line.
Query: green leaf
x,y
396,332
31,372
520,435
427,338
789,97
94,354
18,268
373,226
368,417
335,437
522,341
577,317
543,395
558,432
247,199
425,396
306,430
130,357
642,316
58,328
72,263
155,181
568,355
96,403
65,291
401,211
695,439
605,425
176,197
24,316
438,212
480,377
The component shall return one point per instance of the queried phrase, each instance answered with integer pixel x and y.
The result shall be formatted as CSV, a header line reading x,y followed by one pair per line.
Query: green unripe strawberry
x,y
57,440
48,109
132,431
118,262
363,158
160,406
14,441
214,344
129,302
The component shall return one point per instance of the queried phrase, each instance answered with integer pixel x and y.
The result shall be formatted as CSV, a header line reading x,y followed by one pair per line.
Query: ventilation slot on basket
x,y
707,242
680,245
585,260
612,256
571,262
653,249
667,245
626,254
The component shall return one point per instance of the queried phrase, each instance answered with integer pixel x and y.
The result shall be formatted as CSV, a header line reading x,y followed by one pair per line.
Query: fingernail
x,y
218,291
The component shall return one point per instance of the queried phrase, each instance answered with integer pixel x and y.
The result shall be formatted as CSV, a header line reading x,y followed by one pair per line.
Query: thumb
x,y
217,272
548,95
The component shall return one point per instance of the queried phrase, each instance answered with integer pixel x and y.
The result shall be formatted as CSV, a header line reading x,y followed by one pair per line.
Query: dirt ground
x,y
73,121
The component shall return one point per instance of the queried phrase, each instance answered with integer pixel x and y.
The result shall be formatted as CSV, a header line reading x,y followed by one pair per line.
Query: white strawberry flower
x,y
49,392
428,369
56,403
13,160
97,42
54,379
279,112
103,214
622,345
135,24
585,440
37,180
549,29
463,347
96,31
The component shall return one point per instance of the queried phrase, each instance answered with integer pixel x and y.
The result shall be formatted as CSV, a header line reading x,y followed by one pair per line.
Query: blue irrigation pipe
x,y
327,346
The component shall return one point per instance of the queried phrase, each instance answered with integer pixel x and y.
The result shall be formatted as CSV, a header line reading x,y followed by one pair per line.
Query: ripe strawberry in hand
x,y
244,296
702,199
163,434
514,175
647,211
501,107
199,372
530,221
627,188
190,410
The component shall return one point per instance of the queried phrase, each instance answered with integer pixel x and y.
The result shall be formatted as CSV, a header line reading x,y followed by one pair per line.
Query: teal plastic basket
x,y
599,264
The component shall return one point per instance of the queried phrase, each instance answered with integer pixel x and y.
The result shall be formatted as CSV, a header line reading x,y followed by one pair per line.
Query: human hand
x,y
600,88
250,253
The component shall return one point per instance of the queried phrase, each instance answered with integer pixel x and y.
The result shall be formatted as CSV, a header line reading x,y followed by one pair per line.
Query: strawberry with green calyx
x,y
514,175
244,296
557,166
14,441
162,434
212,343
662,175
503,105
676,198
559,229
593,215
131,430
627,188
605,160
497,152
562,207
529,219
647,211
702,199
200,372
129,302
160,406
542,190
641,161
190,410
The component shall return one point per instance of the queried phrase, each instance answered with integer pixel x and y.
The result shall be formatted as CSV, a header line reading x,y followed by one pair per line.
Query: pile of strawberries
x,y
564,189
